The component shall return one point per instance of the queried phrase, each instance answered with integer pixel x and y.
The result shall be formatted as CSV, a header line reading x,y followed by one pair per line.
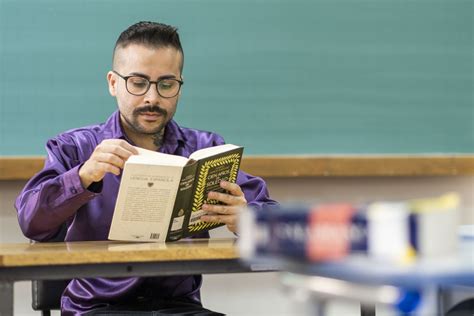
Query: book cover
x,y
161,196
325,232
198,180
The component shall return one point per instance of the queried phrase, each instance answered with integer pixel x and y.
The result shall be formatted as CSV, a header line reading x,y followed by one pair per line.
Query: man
x,y
78,185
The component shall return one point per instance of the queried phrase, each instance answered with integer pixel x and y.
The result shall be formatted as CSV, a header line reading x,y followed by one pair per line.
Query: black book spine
x,y
182,206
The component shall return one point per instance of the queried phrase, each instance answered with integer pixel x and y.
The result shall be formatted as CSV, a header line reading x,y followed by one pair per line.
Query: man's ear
x,y
179,94
112,82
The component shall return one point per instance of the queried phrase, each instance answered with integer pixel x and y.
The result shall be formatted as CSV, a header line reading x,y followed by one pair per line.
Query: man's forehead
x,y
135,53
143,46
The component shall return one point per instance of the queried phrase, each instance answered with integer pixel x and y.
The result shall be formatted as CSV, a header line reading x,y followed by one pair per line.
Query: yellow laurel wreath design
x,y
201,226
201,181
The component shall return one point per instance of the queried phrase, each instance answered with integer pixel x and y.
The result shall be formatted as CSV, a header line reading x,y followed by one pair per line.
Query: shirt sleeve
x,y
53,195
255,191
254,188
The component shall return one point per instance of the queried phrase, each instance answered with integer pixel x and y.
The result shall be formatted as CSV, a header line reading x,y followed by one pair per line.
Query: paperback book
x,y
160,196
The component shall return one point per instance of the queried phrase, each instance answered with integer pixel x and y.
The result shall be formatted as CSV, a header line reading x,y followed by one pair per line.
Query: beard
x,y
134,124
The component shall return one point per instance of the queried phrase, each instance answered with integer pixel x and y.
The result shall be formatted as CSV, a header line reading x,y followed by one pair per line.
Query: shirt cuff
x,y
73,186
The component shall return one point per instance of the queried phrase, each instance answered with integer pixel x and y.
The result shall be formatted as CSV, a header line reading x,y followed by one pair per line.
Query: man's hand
x,y
228,212
108,157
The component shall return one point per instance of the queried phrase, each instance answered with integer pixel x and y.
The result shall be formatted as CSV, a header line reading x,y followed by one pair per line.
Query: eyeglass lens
x,y
167,88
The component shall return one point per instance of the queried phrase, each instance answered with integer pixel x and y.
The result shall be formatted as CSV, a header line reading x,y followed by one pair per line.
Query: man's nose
x,y
152,94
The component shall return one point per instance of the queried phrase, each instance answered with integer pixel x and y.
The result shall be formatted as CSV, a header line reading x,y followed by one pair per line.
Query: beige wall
x,y
366,189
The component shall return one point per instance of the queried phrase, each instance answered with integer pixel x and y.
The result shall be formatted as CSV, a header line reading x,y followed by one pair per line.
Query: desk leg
x,y
320,307
367,310
6,298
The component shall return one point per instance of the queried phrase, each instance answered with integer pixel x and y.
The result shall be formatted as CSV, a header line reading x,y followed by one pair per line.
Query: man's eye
x,y
167,84
138,83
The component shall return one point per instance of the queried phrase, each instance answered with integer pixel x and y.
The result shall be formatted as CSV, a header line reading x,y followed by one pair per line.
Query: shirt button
x,y
73,190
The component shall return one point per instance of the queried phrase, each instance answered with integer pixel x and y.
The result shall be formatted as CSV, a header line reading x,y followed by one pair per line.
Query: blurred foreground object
x,y
399,231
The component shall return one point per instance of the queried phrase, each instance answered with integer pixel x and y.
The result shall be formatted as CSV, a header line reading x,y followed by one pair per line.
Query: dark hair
x,y
152,34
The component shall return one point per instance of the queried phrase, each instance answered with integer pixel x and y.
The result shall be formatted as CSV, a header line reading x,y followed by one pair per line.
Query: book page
x,y
155,158
211,151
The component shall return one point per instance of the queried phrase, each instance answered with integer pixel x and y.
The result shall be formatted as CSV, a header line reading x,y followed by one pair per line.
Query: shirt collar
x,y
174,135
113,125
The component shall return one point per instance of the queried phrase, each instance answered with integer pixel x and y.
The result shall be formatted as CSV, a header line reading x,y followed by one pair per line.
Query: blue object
x,y
408,301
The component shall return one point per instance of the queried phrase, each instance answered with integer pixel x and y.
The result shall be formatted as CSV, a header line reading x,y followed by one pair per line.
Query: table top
x,y
93,252
360,269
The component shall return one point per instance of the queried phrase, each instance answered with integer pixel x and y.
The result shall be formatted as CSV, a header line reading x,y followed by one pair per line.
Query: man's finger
x,y
106,167
111,159
224,219
128,147
119,143
220,209
100,169
233,188
223,197
121,151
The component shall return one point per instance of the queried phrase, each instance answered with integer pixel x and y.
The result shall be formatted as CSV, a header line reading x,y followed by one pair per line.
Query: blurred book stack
x,y
396,231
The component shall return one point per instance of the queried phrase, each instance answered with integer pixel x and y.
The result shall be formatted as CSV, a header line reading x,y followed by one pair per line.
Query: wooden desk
x,y
56,261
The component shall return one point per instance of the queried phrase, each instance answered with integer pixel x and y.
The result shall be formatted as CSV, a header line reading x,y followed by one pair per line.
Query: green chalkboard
x,y
278,77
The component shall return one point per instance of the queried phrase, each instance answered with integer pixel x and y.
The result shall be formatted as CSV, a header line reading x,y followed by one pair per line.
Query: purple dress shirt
x,y
55,196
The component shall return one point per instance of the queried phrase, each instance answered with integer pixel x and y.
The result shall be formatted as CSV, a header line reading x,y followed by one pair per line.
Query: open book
x,y
161,196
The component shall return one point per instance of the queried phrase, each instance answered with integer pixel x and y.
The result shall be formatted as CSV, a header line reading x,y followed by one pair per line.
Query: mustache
x,y
150,109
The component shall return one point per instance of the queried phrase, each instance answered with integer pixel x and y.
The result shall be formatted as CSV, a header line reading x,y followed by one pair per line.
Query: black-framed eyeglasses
x,y
138,85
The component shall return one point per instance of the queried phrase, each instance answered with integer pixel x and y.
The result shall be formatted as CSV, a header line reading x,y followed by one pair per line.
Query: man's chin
x,y
149,130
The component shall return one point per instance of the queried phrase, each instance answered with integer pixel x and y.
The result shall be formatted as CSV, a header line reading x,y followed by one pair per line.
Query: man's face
x,y
149,113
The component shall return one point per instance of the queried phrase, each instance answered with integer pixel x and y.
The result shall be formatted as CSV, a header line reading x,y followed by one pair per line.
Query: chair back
x,y
46,294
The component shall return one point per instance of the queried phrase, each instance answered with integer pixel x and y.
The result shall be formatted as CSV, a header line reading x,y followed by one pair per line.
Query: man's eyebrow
x,y
148,77
167,77
139,74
